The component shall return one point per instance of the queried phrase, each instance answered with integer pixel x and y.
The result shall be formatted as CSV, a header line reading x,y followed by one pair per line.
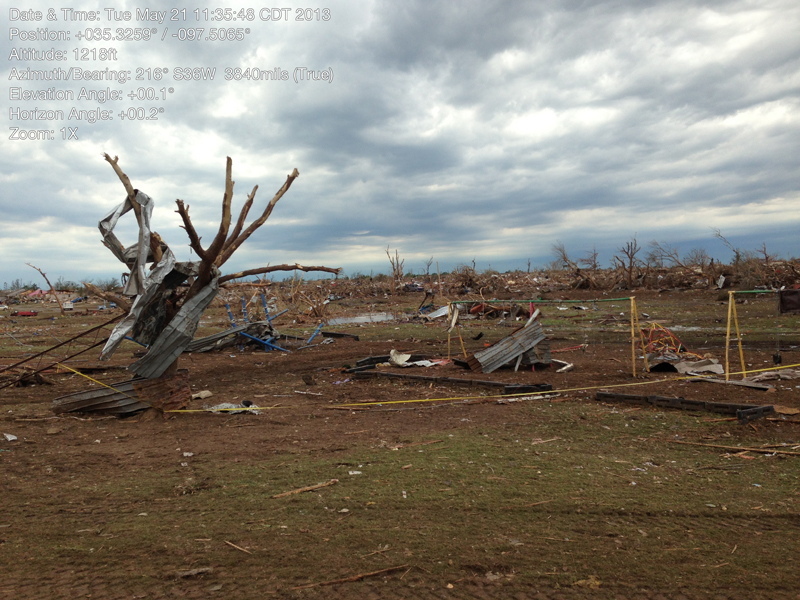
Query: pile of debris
x,y
667,354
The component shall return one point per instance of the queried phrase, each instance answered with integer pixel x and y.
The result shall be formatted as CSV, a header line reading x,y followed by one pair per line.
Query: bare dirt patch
x,y
558,498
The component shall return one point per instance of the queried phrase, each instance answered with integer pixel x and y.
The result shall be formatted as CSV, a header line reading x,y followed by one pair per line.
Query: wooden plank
x,y
747,384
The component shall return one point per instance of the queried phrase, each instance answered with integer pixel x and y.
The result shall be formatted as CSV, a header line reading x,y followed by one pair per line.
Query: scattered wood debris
x,y
738,448
507,388
232,545
306,489
194,572
350,579
744,412
399,446
747,384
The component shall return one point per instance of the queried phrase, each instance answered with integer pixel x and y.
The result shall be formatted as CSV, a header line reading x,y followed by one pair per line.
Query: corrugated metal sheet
x,y
177,335
171,392
151,284
439,312
507,349
120,400
206,343
258,329
129,397
539,354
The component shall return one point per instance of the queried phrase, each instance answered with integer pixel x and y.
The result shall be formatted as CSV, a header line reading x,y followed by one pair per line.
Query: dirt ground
x,y
183,506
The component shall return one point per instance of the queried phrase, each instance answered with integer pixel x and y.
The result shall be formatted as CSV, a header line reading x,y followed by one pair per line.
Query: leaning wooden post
x,y
633,338
739,339
641,336
728,337
461,339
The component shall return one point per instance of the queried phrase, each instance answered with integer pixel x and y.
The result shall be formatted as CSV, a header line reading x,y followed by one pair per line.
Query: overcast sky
x,y
453,130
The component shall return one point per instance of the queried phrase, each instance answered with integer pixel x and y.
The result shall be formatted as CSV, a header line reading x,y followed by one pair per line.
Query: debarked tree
x,y
169,298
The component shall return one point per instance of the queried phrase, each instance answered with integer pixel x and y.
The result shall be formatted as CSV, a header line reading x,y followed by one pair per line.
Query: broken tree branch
x,y
350,579
225,223
126,182
239,240
155,248
120,301
427,443
240,222
194,239
263,270
205,272
306,489
232,545
52,289
122,176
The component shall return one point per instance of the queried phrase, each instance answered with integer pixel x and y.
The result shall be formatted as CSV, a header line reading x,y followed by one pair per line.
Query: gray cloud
x,y
482,129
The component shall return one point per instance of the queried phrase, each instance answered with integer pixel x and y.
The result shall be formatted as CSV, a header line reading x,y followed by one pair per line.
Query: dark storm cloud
x,y
464,129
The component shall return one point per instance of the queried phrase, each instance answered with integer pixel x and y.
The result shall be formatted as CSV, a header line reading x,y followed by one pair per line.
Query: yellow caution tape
x,y
578,389
450,399
101,383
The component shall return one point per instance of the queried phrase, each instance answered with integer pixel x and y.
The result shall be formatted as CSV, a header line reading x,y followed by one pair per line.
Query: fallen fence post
x,y
260,341
313,335
230,314
744,412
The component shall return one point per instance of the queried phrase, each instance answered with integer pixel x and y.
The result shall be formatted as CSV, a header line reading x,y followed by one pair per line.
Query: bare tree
x,y
562,257
627,260
397,268
767,257
428,264
663,255
164,314
697,257
590,259
737,253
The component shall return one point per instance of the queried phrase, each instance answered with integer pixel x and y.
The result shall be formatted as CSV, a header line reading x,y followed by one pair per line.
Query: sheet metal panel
x,y
128,397
200,344
507,349
177,335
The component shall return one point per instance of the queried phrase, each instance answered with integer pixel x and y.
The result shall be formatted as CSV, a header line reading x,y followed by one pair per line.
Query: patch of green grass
x,y
568,492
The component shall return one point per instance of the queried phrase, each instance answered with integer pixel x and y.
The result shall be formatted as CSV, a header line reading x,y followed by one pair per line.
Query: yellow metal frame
x,y
732,311
636,327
